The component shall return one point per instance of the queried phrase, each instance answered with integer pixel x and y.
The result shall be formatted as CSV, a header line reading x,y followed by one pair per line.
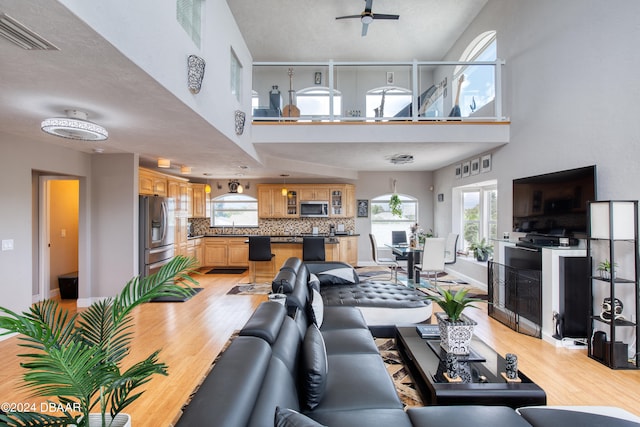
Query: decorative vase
x,y
120,420
455,337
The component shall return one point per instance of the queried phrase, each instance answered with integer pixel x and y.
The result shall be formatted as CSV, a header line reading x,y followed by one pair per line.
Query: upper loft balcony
x,y
455,102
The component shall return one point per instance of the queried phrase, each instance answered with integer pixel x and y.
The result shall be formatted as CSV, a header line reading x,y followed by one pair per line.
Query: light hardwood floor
x,y
191,335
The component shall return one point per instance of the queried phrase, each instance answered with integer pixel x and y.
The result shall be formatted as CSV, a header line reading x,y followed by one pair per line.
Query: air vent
x,y
401,159
20,35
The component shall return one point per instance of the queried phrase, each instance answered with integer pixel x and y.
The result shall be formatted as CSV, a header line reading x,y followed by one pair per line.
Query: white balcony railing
x,y
335,91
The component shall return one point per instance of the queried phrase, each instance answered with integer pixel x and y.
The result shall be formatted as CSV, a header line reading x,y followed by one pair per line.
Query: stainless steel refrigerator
x,y
156,233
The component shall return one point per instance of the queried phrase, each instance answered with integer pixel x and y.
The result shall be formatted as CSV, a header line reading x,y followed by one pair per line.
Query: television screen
x,y
554,203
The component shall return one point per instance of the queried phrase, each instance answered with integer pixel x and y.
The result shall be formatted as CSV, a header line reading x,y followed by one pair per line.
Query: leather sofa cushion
x,y
292,264
548,417
314,367
349,341
365,418
224,395
265,322
468,415
358,381
336,317
283,282
290,418
373,294
338,276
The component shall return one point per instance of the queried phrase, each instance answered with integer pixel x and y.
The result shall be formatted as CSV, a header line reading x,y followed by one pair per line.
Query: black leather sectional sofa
x,y
284,370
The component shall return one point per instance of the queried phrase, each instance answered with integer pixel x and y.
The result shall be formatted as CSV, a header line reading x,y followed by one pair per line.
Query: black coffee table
x,y
483,383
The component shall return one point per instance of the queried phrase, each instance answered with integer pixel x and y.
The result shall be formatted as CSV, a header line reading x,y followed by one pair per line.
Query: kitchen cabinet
x,y
150,183
315,193
342,201
226,252
195,249
348,248
271,202
198,200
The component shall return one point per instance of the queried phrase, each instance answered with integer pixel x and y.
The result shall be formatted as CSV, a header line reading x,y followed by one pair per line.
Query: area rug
x,y
194,291
227,270
251,289
405,386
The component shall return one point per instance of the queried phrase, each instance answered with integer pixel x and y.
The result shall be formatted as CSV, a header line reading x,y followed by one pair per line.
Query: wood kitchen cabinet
x,y
348,248
318,192
226,252
198,200
151,183
271,202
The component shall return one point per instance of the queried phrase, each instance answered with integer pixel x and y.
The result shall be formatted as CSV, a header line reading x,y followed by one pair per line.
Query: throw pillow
x,y
290,418
314,367
318,307
338,276
314,282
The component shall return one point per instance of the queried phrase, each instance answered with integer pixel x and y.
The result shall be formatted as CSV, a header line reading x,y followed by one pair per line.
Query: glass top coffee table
x,y
482,381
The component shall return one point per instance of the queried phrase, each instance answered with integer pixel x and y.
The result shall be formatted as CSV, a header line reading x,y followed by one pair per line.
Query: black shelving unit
x,y
613,231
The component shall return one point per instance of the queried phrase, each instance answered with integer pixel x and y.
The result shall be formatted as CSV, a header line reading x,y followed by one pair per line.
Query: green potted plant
x,y
607,271
482,250
395,204
78,358
456,330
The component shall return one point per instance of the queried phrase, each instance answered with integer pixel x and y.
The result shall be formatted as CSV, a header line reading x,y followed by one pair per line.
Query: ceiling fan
x,y
367,17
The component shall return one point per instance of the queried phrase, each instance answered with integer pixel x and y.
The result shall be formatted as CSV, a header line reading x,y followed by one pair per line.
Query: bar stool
x,y
313,248
259,251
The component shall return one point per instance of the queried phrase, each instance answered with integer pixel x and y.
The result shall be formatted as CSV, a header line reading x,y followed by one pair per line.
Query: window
x,y
479,213
395,99
479,87
188,14
383,222
314,101
234,210
236,75
255,100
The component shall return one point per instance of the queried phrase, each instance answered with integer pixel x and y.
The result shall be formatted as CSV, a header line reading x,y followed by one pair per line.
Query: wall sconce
x,y
164,163
218,186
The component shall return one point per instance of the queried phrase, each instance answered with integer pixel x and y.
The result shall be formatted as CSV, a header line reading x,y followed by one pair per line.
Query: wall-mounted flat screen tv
x,y
554,203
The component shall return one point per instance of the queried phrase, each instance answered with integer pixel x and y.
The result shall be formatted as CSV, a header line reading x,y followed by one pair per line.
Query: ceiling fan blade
x,y
364,29
368,5
384,16
349,17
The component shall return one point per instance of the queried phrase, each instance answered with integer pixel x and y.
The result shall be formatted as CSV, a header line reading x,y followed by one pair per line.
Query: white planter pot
x,y
455,337
121,420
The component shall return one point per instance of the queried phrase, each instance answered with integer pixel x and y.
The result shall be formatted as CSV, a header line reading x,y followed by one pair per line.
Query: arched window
x,y
479,86
383,222
395,99
234,210
314,101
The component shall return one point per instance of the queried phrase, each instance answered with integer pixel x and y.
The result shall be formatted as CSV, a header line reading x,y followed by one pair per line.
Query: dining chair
x,y
432,259
387,262
399,237
450,248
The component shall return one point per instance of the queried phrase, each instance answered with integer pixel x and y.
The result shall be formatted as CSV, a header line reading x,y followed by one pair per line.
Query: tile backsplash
x,y
277,226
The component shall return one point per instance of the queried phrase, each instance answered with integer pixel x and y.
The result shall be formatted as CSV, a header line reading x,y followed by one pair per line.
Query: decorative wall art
x,y
475,166
195,66
485,163
240,118
459,170
363,208
466,169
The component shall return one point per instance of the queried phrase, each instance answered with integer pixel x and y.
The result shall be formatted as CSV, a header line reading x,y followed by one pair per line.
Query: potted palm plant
x,y
78,358
482,250
456,330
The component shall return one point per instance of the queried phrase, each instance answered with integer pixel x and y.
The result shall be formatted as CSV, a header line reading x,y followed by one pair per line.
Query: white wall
x,y
570,92
373,184
150,36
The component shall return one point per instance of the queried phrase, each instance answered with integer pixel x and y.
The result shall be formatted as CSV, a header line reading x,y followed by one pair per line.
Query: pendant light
x,y
284,184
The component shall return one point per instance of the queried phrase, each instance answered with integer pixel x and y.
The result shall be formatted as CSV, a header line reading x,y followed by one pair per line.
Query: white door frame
x,y
44,217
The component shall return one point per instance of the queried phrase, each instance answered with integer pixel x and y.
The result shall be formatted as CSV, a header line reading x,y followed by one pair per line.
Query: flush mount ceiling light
x,y
400,159
185,169
74,126
164,163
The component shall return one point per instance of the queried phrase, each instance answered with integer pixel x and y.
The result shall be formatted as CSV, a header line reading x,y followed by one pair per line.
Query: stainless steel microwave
x,y
314,209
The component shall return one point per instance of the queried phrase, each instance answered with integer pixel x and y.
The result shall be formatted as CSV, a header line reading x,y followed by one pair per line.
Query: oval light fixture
x,y
74,126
